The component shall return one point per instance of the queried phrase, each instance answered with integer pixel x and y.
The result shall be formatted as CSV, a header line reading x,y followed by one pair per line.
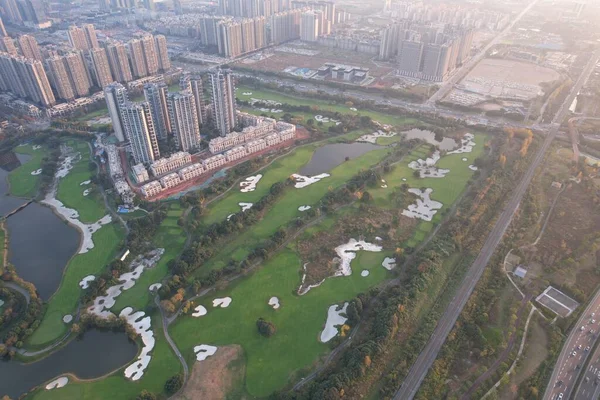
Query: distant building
x,y
119,63
29,48
25,78
7,45
101,67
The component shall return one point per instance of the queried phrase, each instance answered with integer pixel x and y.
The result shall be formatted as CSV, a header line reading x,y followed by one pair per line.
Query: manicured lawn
x,y
171,237
22,183
299,320
70,191
64,301
163,365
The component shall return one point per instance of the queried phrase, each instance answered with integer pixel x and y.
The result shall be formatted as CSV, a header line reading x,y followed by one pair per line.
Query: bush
x,y
145,395
173,384
265,328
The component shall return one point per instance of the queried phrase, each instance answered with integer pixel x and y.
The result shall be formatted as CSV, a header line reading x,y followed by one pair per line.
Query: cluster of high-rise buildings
x,y
31,13
73,72
428,51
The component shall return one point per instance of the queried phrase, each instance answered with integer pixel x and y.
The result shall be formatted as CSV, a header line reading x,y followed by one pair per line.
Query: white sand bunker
x,y
384,186
403,179
57,383
103,303
473,168
67,319
245,206
247,93
155,286
425,208
223,303
389,263
365,272
86,192
466,144
304,208
199,311
334,319
427,168
274,302
353,109
249,184
1,302
465,159
36,147
304,181
85,183
204,351
372,137
85,282
66,166
36,172
141,324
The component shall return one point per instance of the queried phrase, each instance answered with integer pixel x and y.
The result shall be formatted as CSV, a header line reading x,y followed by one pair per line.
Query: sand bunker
x,y
466,144
372,137
141,324
473,168
365,272
86,192
304,181
304,208
85,183
403,179
249,184
66,166
425,208
223,303
334,319
1,302
247,93
245,206
67,319
274,302
389,263
347,252
36,172
36,147
353,109
384,186
155,286
427,168
103,303
57,383
465,159
85,282
204,351
199,311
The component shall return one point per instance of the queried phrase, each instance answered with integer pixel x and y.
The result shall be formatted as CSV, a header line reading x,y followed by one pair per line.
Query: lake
x,y
326,158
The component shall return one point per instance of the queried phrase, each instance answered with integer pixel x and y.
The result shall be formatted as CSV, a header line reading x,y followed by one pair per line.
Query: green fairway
x,y
171,237
64,300
163,365
22,183
299,320
71,193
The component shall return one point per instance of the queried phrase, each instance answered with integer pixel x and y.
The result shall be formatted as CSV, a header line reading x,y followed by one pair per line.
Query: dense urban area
x,y
300,199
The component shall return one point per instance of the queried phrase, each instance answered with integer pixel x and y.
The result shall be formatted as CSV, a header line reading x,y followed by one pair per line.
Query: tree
x,y
145,395
265,328
173,384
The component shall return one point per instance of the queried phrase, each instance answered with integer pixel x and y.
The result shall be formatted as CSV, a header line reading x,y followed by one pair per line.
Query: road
x,y
419,369
464,70
589,388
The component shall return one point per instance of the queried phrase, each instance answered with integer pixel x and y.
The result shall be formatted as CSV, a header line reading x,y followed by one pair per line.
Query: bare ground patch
x,y
217,376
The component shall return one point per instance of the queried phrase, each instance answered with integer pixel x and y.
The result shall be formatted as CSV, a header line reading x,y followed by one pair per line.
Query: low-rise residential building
x,y
191,172
151,189
140,173
169,164
236,153
273,139
171,180
214,162
256,146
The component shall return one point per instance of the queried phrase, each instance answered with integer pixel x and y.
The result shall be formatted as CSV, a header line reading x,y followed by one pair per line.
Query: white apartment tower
x,y
139,127
309,26
119,63
138,63
184,120
156,95
223,96
164,64
101,67
115,95
150,56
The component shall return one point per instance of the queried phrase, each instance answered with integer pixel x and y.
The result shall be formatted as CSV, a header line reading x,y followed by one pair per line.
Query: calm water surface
x,y
330,156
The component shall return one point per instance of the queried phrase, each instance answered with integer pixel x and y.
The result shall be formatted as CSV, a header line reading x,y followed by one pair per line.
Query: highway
x,y
419,369
464,70
589,388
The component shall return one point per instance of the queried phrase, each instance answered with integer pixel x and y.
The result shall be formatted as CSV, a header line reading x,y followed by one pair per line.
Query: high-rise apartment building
x,y
69,76
260,32
90,36
101,66
7,45
59,75
139,128
119,62
2,28
164,64
83,38
310,26
197,88
138,63
285,26
33,13
11,11
150,56
115,95
25,78
229,38
184,120
29,48
78,73
223,97
156,96
248,38
209,31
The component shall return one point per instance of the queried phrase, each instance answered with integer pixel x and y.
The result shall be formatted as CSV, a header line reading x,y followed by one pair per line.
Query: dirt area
x,y
215,377
318,251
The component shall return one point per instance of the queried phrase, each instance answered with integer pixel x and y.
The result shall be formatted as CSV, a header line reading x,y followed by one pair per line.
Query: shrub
x,y
265,328
173,384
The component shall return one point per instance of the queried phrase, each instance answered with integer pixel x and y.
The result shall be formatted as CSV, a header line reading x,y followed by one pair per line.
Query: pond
x,y
95,354
447,144
330,156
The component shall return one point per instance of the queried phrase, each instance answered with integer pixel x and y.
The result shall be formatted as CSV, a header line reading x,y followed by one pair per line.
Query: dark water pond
x,y
92,356
428,136
330,156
